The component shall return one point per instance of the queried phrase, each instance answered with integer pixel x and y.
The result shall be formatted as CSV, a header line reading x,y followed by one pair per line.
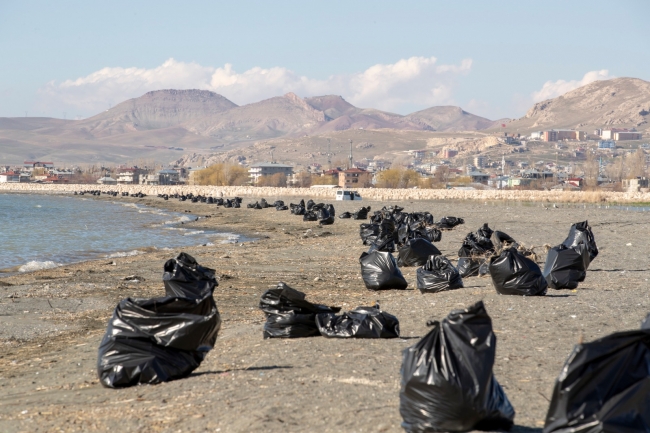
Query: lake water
x,y
44,231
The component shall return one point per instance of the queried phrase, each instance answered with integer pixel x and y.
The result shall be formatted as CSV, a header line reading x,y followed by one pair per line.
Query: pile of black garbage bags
x,y
290,315
567,263
312,211
161,339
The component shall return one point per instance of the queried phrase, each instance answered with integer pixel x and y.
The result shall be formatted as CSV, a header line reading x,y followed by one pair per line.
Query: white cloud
x,y
553,89
413,82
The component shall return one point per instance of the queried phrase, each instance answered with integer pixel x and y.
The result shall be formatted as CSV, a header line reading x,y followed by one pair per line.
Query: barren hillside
x,y
619,102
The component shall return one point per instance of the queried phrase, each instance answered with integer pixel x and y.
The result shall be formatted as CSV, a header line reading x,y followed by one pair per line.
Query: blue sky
x,y
493,58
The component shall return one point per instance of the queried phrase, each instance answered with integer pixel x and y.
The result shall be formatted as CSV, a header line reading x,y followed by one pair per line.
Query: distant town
x,y
614,159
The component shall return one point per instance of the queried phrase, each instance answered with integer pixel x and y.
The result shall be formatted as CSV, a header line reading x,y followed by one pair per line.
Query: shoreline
x,y
216,237
379,194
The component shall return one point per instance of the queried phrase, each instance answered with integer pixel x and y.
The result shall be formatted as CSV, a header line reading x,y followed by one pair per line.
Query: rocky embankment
x,y
327,193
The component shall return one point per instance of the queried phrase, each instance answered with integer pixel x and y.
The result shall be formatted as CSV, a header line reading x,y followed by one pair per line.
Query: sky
x,y
74,59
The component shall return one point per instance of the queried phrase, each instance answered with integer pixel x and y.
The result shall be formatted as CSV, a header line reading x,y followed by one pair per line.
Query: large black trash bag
x,y
362,322
437,275
369,233
278,203
383,244
310,216
263,203
449,222
379,271
345,215
447,381
361,214
184,277
604,387
330,209
310,204
416,252
325,217
502,240
566,266
514,274
289,315
472,254
297,209
581,233
283,207
156,340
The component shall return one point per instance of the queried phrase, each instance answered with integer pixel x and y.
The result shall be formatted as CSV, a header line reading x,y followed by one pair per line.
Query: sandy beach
x,y
51,322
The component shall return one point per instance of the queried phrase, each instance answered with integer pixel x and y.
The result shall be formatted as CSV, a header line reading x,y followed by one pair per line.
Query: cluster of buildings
x,y
35,171
613,134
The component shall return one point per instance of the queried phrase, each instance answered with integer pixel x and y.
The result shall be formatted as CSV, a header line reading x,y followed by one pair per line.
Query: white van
x,y
347,195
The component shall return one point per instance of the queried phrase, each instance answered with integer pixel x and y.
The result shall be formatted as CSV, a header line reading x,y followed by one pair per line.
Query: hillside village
x,y
595,136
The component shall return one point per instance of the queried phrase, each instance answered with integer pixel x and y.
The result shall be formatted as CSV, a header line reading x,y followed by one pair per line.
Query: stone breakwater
x,y
380,194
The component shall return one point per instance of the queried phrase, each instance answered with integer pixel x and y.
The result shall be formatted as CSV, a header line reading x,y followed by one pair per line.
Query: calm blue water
x,y
40,231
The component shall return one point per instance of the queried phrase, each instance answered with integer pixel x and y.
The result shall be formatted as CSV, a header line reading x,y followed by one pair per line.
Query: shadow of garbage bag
x,y
362,322
437,275
184,277
447,381
289,315
379,271
604,386
514,274
416,252
581,233
156,340
566,267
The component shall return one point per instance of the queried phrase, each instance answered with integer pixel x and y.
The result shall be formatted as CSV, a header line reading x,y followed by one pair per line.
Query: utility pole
x,y
350,157
329,155
271,156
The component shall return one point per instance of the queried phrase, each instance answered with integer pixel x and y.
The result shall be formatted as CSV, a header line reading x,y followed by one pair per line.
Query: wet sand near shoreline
x,y
51,322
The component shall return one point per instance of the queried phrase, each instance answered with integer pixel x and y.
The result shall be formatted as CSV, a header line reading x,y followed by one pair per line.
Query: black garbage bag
x,y
184,277
227,203
383,244
449,223
362,322
514,274
255,205
369,233
263,203
484,232
604,386
331,210
302,203
566,266
324,217
377,217
447,381
379,271
581,233
156,340
297,209
361,214
219,201
345,215
502,240
472,254
283,207
310,204
289,315
278,203
236,204
416,252
310,216
437,275
434,234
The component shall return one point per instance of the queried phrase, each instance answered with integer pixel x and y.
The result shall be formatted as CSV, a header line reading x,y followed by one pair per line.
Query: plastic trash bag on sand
x,y
345,215
379,271
369,233
289,315
514,274
581,233
447,381
473,253
566,266
184,277
310,216
361,214
449,223
325,217
416,252
156,340
437,275
362,322
604,386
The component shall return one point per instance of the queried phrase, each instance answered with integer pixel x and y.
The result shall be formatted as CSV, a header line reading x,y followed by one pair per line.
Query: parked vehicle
x,y
347,195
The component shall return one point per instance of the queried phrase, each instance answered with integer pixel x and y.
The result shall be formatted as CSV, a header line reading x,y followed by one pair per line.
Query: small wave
x,y
185,219
38,205
230,238
37,266
124,254
192,233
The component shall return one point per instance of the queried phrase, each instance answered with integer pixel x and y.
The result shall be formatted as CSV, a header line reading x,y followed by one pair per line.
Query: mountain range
x,y
160,124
